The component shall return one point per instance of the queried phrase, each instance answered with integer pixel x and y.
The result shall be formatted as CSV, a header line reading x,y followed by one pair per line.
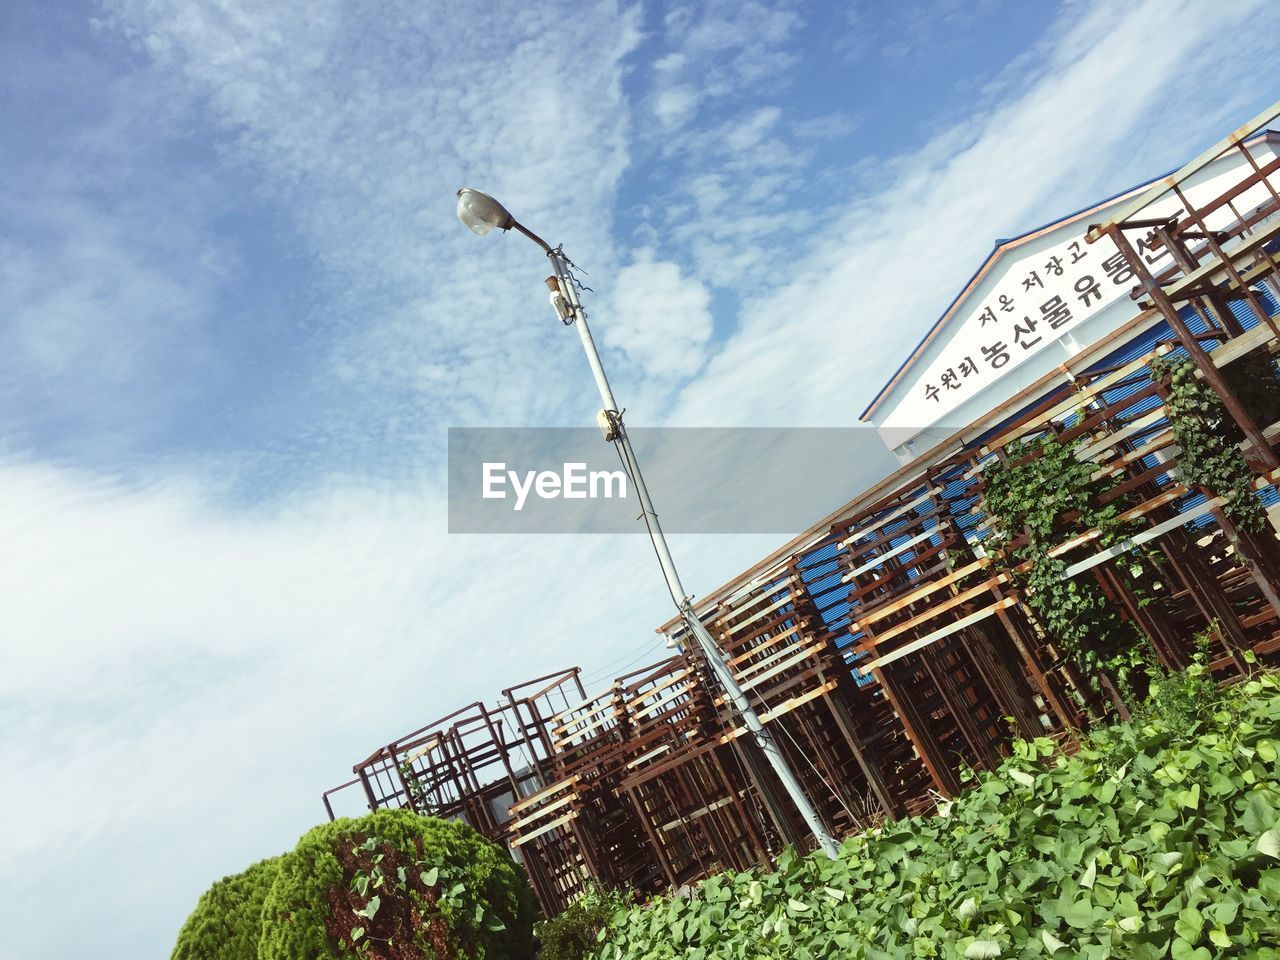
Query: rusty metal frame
x,y
650,782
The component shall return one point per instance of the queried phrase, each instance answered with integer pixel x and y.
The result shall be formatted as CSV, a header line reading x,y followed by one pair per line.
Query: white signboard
x,y
1035,296
1037,300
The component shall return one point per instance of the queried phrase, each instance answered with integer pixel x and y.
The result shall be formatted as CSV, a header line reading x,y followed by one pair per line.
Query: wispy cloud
x,y
1103,97
182,679
718,48
660,318
194,663
107,269
365,127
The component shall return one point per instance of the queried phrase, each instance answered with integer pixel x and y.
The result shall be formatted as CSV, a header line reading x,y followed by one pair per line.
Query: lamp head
x,y
480,213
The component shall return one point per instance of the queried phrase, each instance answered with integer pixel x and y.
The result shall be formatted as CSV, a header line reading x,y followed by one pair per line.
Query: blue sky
x,y
237,316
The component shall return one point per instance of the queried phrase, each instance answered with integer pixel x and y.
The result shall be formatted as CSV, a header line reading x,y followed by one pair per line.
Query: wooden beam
x,y
937,635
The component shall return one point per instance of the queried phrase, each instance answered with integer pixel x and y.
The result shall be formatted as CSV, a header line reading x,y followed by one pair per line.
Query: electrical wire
x,y
644,514
628,656
748,695
608,670
823,780
573,269
747,785
631,470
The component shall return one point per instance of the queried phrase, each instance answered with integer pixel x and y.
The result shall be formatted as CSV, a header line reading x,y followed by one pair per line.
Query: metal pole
x,y
710,650
1212,375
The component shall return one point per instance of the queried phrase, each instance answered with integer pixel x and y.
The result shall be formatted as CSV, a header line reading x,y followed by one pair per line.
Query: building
x,y
908,635
1045,302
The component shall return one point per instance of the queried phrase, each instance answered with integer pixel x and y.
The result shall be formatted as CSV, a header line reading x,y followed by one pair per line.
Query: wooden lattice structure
x,y
889,649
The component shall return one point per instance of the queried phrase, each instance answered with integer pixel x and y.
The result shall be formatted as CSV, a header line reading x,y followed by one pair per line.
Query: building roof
x,y
1001,247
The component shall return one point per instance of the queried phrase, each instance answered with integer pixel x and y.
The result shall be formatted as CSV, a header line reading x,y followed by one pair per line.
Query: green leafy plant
x,y
573,934
228,917
1207,437
418,798
1182,699
1162,840
1040,496
1179,701
397,885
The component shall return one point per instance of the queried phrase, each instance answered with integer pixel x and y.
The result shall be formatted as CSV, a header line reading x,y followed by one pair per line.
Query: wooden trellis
x,y
889,648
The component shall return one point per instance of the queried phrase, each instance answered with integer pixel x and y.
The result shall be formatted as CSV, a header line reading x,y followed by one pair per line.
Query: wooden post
x,y
918,732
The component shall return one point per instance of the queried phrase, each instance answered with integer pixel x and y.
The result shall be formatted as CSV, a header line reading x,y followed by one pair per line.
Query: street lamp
x,y
481,214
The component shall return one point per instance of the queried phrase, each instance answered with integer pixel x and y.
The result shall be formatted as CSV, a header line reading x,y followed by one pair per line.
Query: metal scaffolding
x,y
888,650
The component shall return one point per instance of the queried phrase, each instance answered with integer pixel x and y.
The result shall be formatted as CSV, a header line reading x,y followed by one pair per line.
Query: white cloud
x,y
751,132
668,63
191,669
719,48
660,317
109,260
675,106
184,677
363,127
94,315
1112,93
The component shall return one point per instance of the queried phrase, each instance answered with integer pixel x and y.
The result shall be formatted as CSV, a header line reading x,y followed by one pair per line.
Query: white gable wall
x,y
1006,334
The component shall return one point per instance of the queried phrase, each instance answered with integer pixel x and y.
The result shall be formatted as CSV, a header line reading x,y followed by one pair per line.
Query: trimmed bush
x,y
228,917
1160,838
399,886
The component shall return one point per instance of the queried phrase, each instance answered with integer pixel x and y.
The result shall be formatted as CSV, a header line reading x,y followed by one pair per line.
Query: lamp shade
x,y
480,213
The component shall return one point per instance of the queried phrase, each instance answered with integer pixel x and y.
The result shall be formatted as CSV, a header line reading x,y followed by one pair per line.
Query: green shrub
x,y
1181,703
1159,840
228,917
573,934
397,885
1207,435
1048,492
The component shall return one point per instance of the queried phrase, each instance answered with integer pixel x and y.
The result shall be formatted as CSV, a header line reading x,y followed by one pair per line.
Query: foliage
x,y
1181,700
228,917
1045,492
1162,840
397,885
418,798
1178,701
574,933
1207,437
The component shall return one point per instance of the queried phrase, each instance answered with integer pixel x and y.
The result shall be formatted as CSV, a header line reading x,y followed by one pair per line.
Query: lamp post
x,y
481,214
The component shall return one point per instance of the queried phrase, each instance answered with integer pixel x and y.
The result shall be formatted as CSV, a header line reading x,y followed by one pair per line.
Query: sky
x,y
238,316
